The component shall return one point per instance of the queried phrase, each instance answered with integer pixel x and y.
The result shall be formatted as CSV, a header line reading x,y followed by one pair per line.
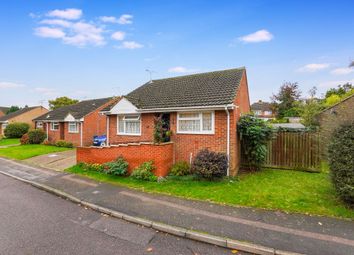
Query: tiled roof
x,y
261,106
203,89
17,113
78,110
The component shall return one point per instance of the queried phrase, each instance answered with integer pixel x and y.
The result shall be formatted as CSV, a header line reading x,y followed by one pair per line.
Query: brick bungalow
x,y
24,115
201,110
76,123
262,110
332,117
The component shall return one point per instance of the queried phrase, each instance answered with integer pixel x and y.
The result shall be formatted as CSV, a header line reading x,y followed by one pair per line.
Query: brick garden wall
x,y
332,118
135,154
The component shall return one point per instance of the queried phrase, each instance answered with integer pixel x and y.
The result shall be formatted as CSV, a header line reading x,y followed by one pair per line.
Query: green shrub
x,y
36,136
16,130
145,172
180,168
117,167
254,135
209,164
62,143
24,139
92,167
341,162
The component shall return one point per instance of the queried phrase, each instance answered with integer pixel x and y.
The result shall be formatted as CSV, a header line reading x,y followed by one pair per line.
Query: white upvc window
x,y
195,122
268,113
73,127
39,124
257,112
129,125
54,126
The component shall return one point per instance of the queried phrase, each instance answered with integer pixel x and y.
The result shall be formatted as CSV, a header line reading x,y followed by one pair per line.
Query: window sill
x,y
125,134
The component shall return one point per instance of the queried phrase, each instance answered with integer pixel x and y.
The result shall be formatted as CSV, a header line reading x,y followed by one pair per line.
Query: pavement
x,y
290,232
36,222
56,161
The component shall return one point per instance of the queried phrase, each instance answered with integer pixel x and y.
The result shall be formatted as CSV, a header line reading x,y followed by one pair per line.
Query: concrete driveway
x,y
57,161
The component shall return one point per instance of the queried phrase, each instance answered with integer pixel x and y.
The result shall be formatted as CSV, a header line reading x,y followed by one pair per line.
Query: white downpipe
x,y
107,123
81,129
47,126
228,141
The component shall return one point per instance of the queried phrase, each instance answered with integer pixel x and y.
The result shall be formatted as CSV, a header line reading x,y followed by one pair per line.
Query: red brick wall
x,y
147,130
161,154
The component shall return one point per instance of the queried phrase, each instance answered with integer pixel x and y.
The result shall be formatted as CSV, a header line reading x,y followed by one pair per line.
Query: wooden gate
x,y
294,150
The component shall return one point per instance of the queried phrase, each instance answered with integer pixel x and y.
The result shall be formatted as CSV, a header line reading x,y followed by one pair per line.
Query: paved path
x,y
35,222
291,232
55,161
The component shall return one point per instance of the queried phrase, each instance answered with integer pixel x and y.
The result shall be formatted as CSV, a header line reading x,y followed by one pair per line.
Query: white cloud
x,y
180,69
57,22
109,19
130,45
331,84
49,32
342,71
119,36
311,68
46,91
69,13
125,19
10,85
259,36
85,34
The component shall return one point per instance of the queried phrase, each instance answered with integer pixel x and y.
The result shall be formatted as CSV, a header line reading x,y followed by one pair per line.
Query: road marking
x,y
256,224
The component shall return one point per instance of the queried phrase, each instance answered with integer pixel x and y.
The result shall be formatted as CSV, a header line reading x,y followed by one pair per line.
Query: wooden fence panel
x,y
293,150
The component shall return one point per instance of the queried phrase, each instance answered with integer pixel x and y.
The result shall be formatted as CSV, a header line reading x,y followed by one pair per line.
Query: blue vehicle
x,y
99,140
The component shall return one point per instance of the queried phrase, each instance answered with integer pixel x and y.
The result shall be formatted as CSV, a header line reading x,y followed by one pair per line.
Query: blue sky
x,y
88,49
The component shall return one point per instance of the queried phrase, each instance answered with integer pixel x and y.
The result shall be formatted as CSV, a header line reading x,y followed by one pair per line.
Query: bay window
x,y
129,125
195,123
73,127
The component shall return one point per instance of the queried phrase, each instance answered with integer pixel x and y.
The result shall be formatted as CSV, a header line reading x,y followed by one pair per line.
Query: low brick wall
x,y
134,154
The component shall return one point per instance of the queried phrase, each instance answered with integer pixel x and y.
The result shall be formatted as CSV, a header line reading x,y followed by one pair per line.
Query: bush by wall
x,y
16,130
341,162
144,172
209,164
254,135
62,143
36,136
180,168
118,167
24,139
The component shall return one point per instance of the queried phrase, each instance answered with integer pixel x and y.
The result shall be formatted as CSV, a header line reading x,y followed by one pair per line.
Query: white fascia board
x,y
191,108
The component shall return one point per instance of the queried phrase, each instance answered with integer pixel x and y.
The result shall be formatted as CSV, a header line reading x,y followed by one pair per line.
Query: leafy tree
x,y
340,91
351,64
61,101
13,108
332,100
285,100
309,112
254,135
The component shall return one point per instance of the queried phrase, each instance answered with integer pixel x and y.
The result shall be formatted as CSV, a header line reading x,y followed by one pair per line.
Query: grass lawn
x,y
9,141
290,191
29,151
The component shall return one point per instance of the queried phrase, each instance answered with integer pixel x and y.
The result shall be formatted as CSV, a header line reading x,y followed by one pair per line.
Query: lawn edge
x,y
211,201
170,229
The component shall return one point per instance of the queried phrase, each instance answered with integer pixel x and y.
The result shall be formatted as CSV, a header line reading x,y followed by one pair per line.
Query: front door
x,y
62,130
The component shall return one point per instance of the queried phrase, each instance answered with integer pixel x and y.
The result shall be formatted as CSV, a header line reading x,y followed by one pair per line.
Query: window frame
x,y
39,124
76,125
52,126
200,118
124,121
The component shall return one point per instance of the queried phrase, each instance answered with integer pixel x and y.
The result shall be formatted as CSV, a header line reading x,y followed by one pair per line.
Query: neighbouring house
x,y
76,123
332,117
263,110
3,110
200,110
24,115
